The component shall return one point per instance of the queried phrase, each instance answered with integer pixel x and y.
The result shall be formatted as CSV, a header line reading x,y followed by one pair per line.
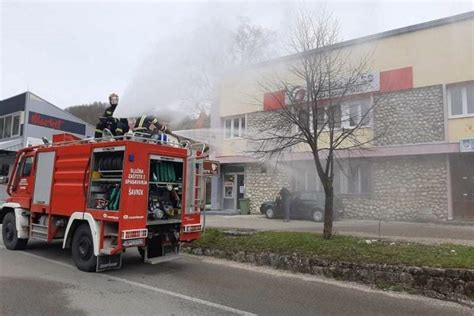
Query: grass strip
x,y
342,248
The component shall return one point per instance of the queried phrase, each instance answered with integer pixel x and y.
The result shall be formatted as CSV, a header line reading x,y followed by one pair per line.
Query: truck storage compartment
x,y
165,190
106,178
162,243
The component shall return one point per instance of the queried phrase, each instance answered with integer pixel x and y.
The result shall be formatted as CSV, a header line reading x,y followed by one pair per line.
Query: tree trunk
x,y
328,212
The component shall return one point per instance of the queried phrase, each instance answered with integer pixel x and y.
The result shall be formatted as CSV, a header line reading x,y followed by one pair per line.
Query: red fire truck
x,y
103,196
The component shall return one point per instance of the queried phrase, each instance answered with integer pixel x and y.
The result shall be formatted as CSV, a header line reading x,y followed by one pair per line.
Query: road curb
x,y
455,285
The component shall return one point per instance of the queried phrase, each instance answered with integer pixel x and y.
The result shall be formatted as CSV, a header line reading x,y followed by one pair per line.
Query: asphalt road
x,y
417,232
43,281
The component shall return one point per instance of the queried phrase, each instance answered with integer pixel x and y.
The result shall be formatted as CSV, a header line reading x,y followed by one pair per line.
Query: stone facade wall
x,y
263,186
409,116
403,188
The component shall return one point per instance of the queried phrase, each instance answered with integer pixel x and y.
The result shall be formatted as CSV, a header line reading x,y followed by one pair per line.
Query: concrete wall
x,y
409,116
459,128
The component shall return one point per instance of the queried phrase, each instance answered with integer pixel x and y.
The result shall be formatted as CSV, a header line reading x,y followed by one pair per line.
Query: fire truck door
x,y
22,184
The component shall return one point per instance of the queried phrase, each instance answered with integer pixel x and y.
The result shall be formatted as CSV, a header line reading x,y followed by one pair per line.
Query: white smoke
x,y
175,75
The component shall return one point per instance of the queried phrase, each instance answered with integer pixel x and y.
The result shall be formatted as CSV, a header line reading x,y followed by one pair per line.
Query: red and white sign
x,y
385,81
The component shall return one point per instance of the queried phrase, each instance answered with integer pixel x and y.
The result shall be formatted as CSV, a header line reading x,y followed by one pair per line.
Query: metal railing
x,y
135,136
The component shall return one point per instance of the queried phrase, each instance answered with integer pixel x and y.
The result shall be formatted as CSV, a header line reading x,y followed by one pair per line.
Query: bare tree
x,y
314,106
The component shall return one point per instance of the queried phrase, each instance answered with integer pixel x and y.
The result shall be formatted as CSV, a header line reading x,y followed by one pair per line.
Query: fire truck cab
x,y
103,196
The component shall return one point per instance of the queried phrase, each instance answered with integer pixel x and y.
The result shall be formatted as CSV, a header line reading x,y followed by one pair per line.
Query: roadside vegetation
x,y
341,248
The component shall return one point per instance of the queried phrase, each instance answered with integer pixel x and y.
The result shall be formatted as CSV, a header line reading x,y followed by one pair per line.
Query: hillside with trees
x,y
88,112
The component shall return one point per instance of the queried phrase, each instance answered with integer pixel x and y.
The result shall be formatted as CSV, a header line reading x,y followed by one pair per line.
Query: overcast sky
x,y
75,52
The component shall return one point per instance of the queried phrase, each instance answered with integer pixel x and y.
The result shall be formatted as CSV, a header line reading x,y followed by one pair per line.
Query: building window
x,y
461,99
234,127
353,179
16,125
356,113
7,128
10,126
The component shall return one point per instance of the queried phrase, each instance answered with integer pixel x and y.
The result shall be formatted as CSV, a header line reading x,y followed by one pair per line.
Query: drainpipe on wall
x,y
448,165
445,111
449,190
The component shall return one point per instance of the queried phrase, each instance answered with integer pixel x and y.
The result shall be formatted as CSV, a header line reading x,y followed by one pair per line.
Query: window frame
x,y
345,112
18,131
28,161
242,129
345,179
12,132
463,86
341,180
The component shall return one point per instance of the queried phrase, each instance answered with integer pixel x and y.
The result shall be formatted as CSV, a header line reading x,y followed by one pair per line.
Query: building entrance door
x,y
233,190
462,179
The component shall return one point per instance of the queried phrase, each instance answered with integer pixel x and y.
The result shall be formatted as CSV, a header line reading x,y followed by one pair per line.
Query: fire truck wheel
x,y
10,235
83,249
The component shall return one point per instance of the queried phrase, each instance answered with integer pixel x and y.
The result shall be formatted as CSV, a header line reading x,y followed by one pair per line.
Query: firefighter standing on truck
x,y
116,126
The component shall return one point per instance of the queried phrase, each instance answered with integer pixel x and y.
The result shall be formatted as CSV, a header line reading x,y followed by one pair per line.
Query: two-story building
x,y
26,118
421,163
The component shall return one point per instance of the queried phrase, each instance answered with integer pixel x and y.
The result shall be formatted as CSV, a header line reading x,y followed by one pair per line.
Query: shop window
x,y
307,179
353,179
234,127
461,99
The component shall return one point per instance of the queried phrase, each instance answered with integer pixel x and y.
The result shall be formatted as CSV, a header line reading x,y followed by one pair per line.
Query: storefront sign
x,y
211,168
52,122
339,88
365,83
467,145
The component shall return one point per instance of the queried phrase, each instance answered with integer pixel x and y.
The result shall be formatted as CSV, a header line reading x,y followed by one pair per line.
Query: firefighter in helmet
x,y
149,124
116,126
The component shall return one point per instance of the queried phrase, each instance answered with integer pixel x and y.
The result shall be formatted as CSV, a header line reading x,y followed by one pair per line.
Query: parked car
x,y
303,205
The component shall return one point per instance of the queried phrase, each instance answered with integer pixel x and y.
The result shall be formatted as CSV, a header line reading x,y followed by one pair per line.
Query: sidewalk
x,y
416,232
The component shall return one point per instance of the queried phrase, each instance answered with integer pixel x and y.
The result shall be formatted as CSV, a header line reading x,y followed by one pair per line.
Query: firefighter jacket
x,y
145,122
108,121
